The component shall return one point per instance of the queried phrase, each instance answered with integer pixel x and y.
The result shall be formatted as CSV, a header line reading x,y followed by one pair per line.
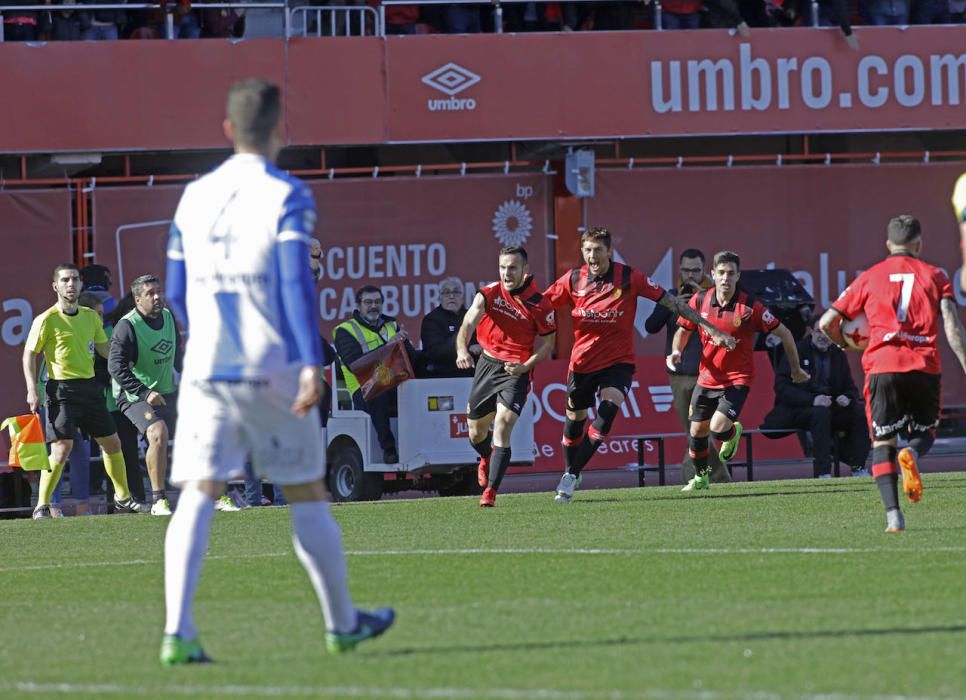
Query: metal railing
x,y
335,20
339,20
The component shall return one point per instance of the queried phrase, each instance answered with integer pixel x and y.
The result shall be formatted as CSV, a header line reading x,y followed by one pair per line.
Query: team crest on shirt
x,y
736,320
90,347
617,293
767,317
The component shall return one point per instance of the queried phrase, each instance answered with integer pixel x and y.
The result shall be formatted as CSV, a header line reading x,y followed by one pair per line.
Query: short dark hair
x,y
253,108
90,299
904,229
138,285
596,233
64,266
369,289
727,256
691,253
96,276
515,250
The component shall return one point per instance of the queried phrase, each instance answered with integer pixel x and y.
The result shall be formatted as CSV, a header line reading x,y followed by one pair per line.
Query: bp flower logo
x,y
512,223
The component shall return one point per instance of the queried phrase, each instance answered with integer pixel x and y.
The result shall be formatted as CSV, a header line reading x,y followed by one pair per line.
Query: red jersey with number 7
x,y
900,296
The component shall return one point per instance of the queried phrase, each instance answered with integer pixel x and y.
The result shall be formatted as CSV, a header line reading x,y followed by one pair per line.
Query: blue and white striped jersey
x,y
238,272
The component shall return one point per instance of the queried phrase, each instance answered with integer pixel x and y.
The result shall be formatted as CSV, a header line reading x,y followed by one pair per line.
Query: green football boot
x,y
729,448
175,650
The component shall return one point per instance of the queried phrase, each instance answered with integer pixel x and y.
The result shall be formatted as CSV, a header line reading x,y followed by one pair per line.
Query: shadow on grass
x,y
689,639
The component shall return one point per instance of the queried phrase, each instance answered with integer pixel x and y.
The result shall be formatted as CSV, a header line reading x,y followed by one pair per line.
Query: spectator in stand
x,y
66,25
681,14
24,25
726,14
957,11
102,25
438,333
402,19
367,330
826,404
461,19
684,376
930,11
832,13
222,23
885,12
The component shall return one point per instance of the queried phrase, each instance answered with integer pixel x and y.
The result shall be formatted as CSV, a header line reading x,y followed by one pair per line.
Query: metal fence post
x,y
498,19
814,13
658,16
382,20
169,25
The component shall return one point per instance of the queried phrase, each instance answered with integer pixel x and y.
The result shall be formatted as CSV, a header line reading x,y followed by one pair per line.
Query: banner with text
x,y
36,227
403,235
826,224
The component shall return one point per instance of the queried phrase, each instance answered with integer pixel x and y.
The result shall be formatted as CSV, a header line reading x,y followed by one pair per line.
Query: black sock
x,y
886,474
573,438
698,451
499,461
485,446
888,490
585,451
921,442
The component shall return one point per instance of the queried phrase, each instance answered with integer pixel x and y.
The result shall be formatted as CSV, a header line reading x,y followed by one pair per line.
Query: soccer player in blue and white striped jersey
x,y
238,281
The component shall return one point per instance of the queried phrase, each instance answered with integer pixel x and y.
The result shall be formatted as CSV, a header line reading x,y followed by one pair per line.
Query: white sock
x,y
184,553
318,545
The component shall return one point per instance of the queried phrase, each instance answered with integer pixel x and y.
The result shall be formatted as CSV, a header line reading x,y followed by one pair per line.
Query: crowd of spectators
x,y
67,24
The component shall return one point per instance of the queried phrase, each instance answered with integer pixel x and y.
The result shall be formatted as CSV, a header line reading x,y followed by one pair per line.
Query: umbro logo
x,y
451,80
162,347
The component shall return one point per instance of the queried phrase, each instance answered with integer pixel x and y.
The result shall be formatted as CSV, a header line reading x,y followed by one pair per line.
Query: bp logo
x,y
162,347
512,222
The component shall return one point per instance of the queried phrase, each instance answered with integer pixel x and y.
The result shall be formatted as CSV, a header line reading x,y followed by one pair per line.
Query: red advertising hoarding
x,y
36,229
826,224
489,87
403,235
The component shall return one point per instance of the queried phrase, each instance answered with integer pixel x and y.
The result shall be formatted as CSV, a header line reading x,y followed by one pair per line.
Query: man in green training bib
x,y
68,335
146,351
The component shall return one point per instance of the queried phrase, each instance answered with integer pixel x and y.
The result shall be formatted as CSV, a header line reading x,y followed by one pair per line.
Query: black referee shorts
x,y
492,385
77,404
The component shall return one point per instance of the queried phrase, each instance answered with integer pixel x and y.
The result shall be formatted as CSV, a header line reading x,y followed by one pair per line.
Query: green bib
x,y
155,365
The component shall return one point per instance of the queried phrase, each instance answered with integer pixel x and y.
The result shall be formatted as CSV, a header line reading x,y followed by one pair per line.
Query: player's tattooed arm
x,y
682,308
955,333
464,360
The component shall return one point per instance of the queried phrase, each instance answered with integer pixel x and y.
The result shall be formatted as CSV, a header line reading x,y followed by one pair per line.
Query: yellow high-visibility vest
x,y
369,340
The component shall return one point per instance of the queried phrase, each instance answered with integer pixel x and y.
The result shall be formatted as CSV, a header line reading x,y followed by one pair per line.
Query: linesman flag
x,y
27,447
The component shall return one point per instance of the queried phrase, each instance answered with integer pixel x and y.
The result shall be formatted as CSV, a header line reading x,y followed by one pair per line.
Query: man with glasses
x,y
367,330
684,377
438,333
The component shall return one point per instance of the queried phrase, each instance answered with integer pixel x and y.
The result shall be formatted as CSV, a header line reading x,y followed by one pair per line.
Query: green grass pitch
x,y
753,591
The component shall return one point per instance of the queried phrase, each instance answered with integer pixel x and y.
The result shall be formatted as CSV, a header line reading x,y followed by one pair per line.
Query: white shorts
x,y
222,425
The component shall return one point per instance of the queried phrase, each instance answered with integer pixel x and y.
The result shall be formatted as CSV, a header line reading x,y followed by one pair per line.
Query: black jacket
x,y
438,336
663,317
834,380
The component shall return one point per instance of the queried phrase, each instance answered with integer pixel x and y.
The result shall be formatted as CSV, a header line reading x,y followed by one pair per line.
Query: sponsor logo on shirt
x,y
601,316
902,335
508,308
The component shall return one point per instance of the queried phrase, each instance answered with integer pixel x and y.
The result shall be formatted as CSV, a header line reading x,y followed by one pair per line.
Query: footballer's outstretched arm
x,y
683,309
678,343
831,325
464,360
955,333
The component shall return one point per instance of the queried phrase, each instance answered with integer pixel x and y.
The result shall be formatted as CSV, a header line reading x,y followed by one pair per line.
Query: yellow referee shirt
x,y
67,342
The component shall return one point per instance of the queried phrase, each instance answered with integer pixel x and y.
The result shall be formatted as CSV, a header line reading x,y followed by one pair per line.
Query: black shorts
x,y
582,389
77,404
896,401
705,401
491,384
143,415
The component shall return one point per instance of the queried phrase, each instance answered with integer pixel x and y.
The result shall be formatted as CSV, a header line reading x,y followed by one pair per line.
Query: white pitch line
x,y
509,550
440,693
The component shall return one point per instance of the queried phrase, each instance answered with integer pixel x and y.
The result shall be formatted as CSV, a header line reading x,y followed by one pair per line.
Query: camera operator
x,y
684,376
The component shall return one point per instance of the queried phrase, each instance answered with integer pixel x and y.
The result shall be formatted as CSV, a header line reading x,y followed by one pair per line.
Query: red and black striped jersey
x,y
513,320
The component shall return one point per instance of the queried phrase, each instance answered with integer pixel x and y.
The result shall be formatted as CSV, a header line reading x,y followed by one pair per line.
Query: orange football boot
x,y
911,481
